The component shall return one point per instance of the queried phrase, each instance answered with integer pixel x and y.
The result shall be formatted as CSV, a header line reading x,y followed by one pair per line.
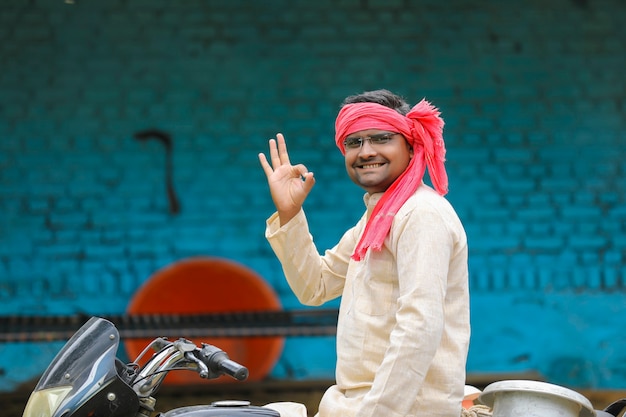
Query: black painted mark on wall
x,y
166,140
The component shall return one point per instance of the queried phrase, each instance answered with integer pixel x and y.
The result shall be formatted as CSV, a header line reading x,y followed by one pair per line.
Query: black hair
x,y
383,97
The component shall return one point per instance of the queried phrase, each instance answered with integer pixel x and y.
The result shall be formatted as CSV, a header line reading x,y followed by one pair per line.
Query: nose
x,y
366,148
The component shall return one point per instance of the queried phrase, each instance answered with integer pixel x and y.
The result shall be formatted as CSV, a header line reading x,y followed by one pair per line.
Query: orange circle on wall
x,y
210,285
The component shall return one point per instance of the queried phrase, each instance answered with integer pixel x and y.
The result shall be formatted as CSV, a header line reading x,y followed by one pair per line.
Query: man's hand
x,y
289,184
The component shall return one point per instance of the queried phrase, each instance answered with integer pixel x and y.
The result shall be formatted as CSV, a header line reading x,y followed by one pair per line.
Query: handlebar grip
x,y
219,363
232,368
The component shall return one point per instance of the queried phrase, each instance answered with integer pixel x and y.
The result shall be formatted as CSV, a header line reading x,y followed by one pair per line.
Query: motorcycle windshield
x,y
86,363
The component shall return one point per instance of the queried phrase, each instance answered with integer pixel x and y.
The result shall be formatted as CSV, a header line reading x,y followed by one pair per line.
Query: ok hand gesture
x,y
289,184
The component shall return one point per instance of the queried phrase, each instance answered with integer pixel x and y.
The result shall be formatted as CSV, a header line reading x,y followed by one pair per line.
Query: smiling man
x,y
401,271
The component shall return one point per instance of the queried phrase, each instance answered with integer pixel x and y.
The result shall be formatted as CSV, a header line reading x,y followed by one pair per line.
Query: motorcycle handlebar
x,y
209,361
219,363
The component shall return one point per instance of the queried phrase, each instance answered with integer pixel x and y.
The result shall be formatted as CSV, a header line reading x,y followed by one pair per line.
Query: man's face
x,y
375,164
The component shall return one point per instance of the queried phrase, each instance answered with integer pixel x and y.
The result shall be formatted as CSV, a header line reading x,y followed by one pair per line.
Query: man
x,y
403,328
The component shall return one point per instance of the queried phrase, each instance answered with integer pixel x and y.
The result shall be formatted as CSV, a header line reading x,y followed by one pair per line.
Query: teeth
x,y
371,166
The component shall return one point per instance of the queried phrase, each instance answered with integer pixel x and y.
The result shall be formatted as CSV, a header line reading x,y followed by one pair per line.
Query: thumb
x,y
309,181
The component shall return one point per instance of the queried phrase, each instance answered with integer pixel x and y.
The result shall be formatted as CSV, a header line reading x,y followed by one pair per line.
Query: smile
x,y
370,166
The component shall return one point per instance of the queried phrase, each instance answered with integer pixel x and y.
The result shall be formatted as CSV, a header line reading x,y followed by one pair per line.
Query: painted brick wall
x,y
534,99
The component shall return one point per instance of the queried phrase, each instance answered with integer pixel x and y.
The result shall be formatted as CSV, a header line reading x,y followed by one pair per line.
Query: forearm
x,y
314,279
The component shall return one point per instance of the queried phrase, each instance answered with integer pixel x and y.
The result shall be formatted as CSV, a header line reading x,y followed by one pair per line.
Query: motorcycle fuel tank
x,y
222,409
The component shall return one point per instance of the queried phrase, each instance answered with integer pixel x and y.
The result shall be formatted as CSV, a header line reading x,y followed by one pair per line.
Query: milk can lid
x,y
489,393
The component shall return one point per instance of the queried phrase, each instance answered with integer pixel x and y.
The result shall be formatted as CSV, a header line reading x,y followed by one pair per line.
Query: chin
x,y
373,189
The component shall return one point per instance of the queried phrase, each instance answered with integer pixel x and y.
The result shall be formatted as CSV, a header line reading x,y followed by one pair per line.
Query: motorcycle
x,y
86,379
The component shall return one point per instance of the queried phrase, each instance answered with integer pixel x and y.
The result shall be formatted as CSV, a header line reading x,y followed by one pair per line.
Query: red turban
x,y
422,127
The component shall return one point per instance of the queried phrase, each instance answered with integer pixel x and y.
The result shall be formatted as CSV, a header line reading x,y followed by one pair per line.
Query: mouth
x,y
371,166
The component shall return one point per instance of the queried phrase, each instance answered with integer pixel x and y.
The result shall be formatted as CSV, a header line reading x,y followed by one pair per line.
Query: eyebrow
x,y
376,135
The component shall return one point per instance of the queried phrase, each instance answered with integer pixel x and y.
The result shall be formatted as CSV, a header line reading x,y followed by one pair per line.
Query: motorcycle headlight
x,y
44,403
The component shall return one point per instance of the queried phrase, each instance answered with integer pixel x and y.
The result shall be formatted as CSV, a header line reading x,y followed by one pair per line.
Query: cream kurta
x,y
403,329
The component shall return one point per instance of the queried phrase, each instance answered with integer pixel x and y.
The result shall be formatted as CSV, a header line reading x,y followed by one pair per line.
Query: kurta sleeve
x,y
313,278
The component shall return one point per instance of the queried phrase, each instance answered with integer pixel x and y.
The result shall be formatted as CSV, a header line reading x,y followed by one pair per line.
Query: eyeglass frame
x,y
386,137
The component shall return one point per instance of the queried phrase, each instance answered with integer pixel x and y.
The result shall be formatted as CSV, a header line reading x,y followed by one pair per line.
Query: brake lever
x,y
202,370
169,356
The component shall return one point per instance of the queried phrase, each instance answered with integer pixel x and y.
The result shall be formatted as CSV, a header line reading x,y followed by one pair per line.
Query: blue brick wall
x,y
534,98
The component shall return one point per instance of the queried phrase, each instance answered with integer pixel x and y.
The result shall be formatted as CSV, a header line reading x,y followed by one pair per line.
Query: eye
x,y
380,139
351,143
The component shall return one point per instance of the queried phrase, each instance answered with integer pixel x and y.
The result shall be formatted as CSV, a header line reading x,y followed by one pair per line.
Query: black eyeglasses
x,y
374,140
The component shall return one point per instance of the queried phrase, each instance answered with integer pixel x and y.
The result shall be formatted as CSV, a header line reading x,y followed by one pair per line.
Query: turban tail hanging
x,y
422,127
